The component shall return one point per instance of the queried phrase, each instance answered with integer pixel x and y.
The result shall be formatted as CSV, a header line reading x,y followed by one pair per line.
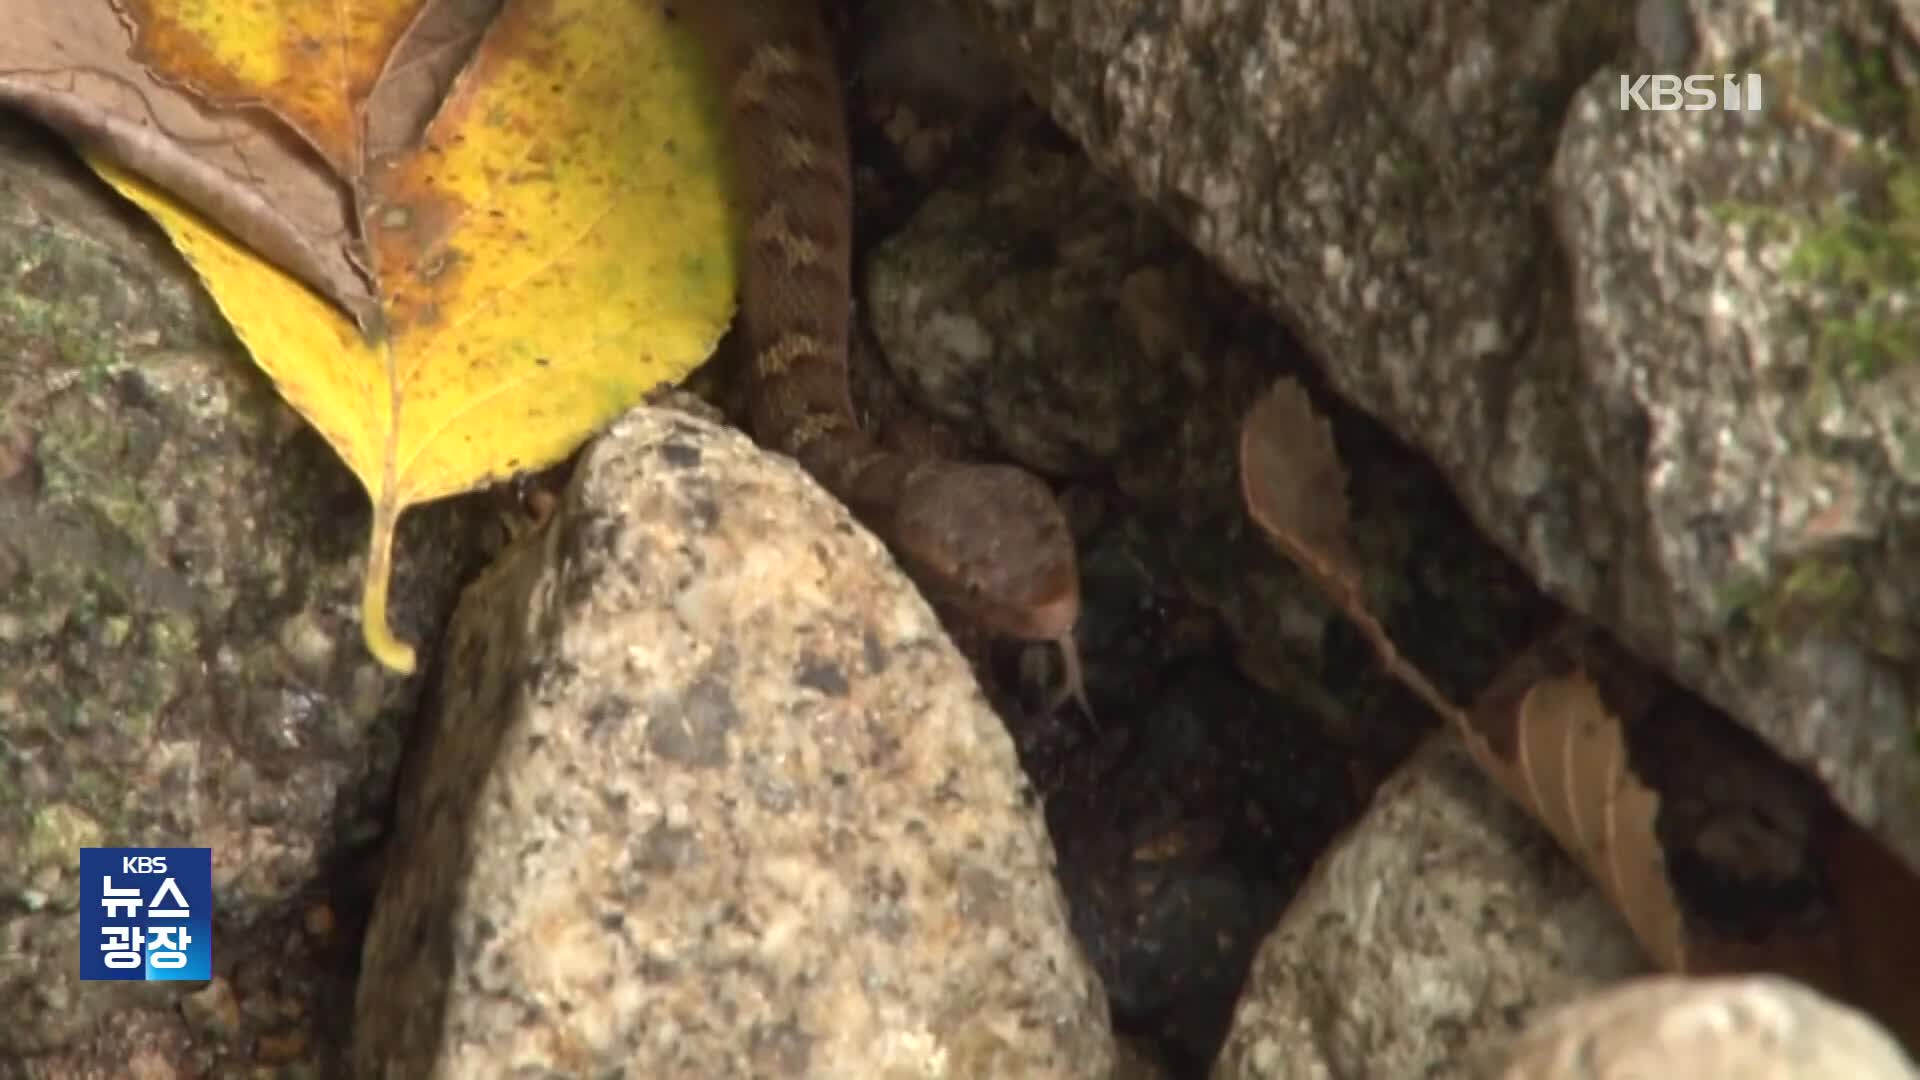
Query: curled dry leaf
x,y
1296,489
1548,742
352,81
259,119
72,64
1561,731
1546,733
1553,747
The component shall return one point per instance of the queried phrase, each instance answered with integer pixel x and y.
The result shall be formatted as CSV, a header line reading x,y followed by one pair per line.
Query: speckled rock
x,y
1755,1028
1683,395
1038,305
1442,921
708,793
180,564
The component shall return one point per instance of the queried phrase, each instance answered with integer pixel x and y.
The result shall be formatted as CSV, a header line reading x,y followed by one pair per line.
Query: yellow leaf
x,y
556,247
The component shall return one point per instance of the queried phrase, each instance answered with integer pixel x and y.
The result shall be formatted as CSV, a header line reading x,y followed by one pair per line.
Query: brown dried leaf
x,y
356,83
1545,738
1554,748
260,119
1545,734
1556,740
1296,490
432,52
69,63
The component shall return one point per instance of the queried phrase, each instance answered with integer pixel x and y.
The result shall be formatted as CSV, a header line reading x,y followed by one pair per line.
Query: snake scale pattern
x,y
989,541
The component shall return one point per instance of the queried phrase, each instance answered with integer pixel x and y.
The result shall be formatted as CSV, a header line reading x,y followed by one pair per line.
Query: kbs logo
x,y
146,913
1690,93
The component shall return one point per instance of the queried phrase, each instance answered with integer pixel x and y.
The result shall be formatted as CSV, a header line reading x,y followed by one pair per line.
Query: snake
x,y
986,541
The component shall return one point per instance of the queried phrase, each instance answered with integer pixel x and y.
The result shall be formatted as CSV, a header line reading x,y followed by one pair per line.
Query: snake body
x,y
987,540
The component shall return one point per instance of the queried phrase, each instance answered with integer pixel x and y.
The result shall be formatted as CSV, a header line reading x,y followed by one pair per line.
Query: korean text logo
x,y
146,913
1691,93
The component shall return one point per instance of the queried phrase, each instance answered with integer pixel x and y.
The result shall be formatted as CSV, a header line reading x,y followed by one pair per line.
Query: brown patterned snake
x,y
987,540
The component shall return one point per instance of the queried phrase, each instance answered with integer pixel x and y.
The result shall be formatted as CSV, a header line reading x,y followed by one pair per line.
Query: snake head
x,y
990,541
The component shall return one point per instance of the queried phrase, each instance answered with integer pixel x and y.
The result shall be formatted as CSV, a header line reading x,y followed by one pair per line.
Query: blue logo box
x,y
146,913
